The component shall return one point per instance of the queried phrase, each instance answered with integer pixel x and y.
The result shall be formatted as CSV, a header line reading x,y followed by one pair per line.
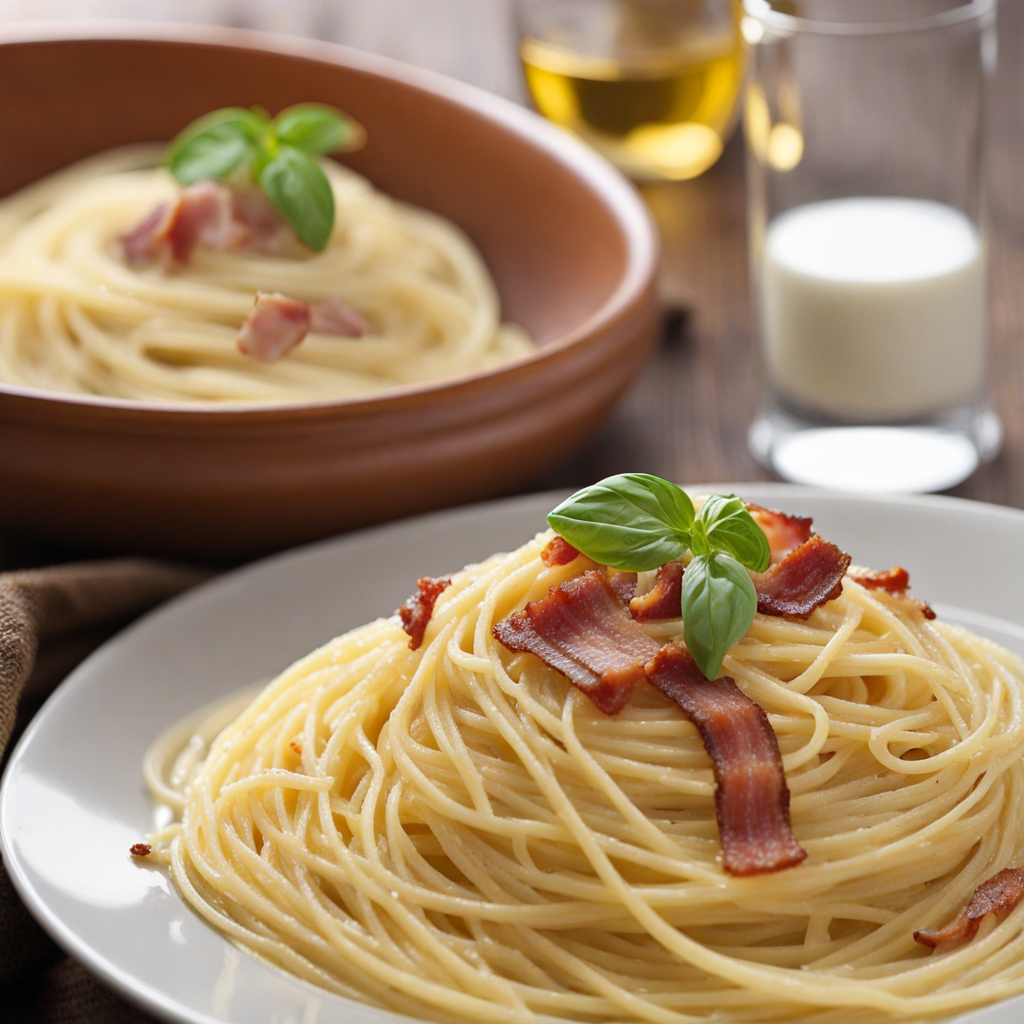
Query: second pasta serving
x,y
280,277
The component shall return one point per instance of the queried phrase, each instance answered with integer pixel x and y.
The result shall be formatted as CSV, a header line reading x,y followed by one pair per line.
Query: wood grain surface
x,y
686,417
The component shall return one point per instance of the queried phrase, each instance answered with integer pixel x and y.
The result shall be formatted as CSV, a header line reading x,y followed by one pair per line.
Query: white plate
x,y
73,801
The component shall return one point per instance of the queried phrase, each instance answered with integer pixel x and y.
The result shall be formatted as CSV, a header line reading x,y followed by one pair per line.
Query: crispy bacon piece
x,y
805,579
1002,892
141,850
751,795
415,613
664,599
274,327
895,581
785,533
203,214
624,585
582,629
332,316
558,551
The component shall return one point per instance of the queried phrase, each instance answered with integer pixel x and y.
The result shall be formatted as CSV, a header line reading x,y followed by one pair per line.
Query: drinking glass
x,y
865,128
651,84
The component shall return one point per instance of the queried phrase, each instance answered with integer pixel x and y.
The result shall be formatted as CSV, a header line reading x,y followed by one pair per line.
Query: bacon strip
x,y
415,613
1002,892
785,533
140,850
624,585
895,581
582,629
558,551
805,579
751,795
664,599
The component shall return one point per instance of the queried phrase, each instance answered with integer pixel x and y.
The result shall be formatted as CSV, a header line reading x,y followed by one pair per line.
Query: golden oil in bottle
x,y
660,117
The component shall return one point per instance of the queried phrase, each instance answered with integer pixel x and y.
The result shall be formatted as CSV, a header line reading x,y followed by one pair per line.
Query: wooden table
x,y
687,415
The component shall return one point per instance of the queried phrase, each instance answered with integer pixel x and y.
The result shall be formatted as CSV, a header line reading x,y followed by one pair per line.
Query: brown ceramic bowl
x,y
567,239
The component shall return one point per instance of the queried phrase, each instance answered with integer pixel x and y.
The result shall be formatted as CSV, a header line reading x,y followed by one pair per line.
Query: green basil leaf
x,y
214,145
299,189
633,521
315,128
718,605
724,524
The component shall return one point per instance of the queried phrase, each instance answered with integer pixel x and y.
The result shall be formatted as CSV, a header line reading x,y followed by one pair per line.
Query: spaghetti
x,y
76,317
456,832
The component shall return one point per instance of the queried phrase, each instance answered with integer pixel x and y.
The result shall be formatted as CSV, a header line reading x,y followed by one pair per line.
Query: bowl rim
x,y
634,287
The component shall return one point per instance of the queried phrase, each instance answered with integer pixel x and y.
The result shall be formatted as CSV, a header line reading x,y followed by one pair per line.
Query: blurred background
x,y
468,39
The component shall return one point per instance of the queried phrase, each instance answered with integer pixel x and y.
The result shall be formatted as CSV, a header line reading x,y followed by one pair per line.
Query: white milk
x,y
874,308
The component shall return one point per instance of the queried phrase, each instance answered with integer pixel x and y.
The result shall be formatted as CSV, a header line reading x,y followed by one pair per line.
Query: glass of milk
x,y
865,124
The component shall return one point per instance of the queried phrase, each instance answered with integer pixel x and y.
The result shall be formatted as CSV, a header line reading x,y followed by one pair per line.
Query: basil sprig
x,y
636,522
633,521
277,154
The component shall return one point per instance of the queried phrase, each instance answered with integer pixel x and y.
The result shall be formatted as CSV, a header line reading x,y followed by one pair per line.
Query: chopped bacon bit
x,y
751,795
211,215
805,579
558,551
624,585
1000,893
332,316
265,230
581,628
416,611
149,237
664,599
274,327
785,533
141,850
203,214
295,746
895,581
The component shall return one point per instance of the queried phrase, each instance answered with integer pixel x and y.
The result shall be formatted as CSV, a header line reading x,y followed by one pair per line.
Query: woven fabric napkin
x,y
49,620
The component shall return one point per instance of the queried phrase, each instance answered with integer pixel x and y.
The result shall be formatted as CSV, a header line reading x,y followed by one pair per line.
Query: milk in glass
x,y
873,308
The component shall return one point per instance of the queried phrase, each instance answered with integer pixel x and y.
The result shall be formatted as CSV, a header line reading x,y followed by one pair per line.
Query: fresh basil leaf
x,y
299,189
211,154
315,128
633,521
724,524
718,605
214,145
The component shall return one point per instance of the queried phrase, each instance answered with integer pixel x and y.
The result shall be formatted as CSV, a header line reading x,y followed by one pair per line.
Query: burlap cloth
x,y
49,620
